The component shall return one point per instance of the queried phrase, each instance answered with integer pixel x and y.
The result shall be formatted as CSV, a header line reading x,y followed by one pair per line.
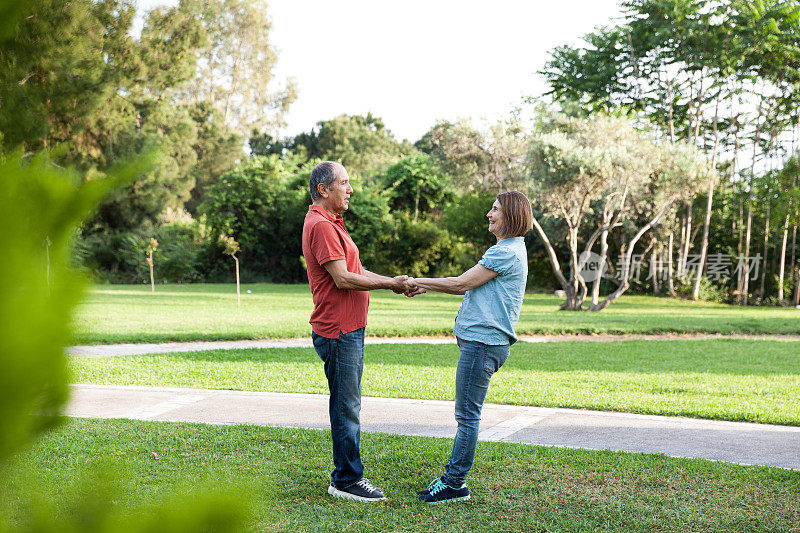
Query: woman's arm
x,y
472,278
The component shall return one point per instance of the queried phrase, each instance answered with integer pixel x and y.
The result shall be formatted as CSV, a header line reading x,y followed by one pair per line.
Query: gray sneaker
x,y
362,491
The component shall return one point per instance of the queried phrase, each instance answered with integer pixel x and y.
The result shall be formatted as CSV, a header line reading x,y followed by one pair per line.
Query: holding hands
x,y
408,286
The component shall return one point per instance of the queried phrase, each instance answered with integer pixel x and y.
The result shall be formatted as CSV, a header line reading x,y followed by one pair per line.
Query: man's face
x,y
338,195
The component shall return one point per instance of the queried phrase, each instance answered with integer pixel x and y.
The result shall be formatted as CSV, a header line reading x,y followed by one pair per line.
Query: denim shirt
x,y
490,312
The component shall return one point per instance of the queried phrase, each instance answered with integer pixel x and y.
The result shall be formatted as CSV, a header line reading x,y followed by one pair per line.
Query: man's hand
x,y
400,284
413,288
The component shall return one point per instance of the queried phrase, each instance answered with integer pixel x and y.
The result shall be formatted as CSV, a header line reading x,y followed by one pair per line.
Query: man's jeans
x,y
344,364
476,365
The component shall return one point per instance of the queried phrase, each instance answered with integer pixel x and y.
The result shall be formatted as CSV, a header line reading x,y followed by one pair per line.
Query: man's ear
x,y
322,190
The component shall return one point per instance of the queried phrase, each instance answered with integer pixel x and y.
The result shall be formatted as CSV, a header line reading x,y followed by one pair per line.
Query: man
x,y
339,285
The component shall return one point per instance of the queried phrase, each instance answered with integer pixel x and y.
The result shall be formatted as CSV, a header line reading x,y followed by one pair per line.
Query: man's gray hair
x,y
324,173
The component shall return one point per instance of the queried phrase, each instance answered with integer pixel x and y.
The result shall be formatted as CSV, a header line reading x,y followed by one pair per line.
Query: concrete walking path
x,y
110,350
736,442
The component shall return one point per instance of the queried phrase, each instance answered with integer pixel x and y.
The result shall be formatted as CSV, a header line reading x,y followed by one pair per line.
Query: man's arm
x,y
344,279
471,279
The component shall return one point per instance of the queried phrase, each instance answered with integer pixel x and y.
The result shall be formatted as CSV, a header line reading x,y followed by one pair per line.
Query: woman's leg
x,y
476,364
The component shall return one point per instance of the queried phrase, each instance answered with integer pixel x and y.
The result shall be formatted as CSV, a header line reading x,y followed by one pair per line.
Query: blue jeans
x,y
476,364
344,364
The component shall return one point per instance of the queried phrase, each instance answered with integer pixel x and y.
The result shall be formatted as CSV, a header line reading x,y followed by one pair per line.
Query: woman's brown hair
x,y
517,213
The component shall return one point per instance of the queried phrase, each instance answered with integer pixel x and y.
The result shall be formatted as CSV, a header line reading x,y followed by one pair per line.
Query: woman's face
x,y
495,216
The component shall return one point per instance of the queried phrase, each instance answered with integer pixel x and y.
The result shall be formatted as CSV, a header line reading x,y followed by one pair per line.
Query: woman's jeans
x,y
344,364
476,365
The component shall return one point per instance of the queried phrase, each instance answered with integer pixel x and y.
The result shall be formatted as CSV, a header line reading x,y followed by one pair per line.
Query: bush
x,y
466,219
178,256
709,290
262,204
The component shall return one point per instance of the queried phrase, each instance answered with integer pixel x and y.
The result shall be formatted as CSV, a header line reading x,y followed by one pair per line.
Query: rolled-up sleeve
x,y
500,259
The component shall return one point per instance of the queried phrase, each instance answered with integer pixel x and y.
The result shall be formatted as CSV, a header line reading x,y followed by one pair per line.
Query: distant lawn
x,y
283,474
129,313
725,379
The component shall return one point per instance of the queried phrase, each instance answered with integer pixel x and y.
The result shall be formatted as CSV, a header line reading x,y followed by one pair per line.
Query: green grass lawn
x,y
283,475
130,313
727,379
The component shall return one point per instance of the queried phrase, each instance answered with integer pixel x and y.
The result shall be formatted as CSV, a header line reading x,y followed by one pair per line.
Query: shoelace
x,y
437,487
366,485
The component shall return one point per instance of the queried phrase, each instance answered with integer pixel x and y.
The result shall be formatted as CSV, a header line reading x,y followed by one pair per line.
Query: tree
x,y
235,71
59,68
361,143
261,203
231,248
152,246
602,165
714,73
489,161
416,183
218,150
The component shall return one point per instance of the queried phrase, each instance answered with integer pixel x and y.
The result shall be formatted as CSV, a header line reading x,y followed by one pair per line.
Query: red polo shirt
x,y
335,310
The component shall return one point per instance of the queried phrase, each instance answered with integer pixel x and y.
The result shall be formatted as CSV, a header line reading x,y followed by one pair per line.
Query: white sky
x,y
417,61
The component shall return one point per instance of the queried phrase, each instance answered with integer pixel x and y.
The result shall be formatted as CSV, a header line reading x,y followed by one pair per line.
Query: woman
x,y
493,291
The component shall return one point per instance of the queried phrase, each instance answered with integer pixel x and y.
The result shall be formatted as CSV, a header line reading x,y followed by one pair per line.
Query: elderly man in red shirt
x,y
339,285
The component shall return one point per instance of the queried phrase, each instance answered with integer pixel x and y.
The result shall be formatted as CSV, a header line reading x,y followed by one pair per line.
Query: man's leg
x,y
344,365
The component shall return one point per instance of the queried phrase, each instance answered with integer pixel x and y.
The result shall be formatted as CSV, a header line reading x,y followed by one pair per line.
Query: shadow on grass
x,y
717,356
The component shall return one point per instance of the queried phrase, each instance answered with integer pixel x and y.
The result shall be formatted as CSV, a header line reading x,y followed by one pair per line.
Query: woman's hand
x,y
413,288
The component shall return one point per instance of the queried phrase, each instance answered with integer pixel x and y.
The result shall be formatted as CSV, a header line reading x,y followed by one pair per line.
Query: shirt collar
x,y
318,209
510,240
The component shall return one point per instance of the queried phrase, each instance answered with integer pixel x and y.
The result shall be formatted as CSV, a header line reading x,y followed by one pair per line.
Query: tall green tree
x,y
235,70
362,144
416,184
59,68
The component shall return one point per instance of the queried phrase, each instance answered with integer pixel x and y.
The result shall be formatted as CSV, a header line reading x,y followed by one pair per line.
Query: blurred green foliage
x,y
41,205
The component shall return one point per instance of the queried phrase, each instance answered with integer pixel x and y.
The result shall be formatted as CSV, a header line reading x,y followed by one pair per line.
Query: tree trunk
x,y
603,255
796,287
707,222
670,280
655,267
626,263
574,301
745,270
238,292
794,243
764,263
684,236
704,244
689,238
152,278
746,267
740,278
551,255
782,267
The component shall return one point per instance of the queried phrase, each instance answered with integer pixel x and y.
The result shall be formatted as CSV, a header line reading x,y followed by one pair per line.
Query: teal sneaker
x,y
430,486
442,493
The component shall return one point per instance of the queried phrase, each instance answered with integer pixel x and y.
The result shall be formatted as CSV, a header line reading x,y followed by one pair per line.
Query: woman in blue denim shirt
x,y
493,291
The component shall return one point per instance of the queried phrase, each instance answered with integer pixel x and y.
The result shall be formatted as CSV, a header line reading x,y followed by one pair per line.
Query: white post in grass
x,y
152,245
232,248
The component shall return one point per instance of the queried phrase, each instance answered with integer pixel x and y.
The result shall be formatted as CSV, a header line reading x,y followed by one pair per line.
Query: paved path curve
x,y
109,350
735,442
